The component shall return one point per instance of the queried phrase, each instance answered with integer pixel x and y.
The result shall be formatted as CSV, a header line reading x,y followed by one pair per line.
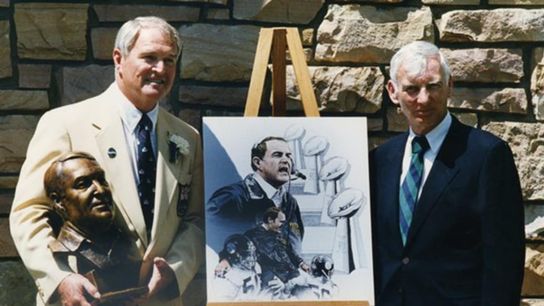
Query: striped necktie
x,y
147,167
410,187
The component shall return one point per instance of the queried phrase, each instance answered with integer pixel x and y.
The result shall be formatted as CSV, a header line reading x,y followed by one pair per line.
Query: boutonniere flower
x,y
178,146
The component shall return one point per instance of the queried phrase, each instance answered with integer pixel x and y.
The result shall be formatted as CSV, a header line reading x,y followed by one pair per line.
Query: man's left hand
x,y
162,276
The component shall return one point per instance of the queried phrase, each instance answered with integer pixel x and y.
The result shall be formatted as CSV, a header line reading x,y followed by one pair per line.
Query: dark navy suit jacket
x,y
236,208
465,245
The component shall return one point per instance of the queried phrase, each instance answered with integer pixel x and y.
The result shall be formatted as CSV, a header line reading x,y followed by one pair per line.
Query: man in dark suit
x,y
238,207
446,199
275,254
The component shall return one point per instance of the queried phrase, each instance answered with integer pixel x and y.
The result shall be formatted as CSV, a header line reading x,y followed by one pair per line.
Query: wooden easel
x,y
275,40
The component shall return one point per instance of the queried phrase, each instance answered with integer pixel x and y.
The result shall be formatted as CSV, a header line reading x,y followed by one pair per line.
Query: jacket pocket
x,y
460,289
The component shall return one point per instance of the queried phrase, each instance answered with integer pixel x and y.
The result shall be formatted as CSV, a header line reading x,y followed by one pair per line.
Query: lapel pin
x,y
112,153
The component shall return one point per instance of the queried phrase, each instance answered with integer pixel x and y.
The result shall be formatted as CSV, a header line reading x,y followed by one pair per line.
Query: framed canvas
x,y
287,209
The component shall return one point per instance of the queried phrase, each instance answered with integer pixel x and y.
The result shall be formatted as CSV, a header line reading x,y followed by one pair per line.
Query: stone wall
x,y
56,53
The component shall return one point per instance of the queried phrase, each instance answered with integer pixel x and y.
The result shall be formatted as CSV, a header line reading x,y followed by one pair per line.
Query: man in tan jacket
x,y
152,161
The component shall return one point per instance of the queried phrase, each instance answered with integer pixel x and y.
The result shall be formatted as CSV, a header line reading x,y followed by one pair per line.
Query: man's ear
x,y
57,202
392,91
117,57
256,162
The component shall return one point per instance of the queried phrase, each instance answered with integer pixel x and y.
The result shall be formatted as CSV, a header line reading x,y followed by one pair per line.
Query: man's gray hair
x,y
413,58
129,31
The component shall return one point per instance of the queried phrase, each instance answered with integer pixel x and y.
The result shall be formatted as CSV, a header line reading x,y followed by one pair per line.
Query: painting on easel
x,y
287,209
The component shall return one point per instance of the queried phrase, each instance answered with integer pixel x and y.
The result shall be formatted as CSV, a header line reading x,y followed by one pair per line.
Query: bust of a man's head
x,y
77,186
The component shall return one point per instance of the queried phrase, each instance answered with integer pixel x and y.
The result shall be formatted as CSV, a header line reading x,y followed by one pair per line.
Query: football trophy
x,y
331,174
294,134
342,208
314,148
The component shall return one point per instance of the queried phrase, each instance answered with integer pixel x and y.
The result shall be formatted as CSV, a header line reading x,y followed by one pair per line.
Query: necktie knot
x,y
277,197
145,123
419,145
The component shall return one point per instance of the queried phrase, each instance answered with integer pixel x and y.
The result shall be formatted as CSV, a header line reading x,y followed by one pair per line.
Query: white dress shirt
x,y
130,116
435,138
276,195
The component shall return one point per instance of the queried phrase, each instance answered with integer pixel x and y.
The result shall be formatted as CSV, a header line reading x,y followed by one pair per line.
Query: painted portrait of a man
x,y
296,189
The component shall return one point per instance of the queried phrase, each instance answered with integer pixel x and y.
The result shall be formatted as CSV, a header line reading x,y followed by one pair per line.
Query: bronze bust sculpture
x,y
88,241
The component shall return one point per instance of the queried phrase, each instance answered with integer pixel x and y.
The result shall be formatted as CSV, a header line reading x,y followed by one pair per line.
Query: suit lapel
x,y
168,172
110,136
391,177
442,172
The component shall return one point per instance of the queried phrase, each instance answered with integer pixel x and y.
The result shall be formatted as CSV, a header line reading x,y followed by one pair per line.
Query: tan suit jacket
x,y
95,126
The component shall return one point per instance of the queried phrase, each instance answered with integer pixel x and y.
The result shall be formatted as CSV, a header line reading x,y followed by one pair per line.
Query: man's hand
x,y
76,290
222,268
276,285
161,277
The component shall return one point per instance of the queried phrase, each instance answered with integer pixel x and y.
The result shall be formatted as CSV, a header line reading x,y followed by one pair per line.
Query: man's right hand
x,y
76,290
276,285
222,268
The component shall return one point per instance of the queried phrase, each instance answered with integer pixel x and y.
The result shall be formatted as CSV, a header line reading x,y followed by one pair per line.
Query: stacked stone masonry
x,y
57,53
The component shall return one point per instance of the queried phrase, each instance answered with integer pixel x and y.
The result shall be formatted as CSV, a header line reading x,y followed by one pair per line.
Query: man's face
x,y
146,74
422,97
275,166
276,224
87,197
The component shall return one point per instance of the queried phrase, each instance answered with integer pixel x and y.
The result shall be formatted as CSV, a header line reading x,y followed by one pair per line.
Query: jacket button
x,y
405,260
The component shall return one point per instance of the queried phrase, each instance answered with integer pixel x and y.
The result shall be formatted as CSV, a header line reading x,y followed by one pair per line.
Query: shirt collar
x,y
131,115
437,135
268,189
71,237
